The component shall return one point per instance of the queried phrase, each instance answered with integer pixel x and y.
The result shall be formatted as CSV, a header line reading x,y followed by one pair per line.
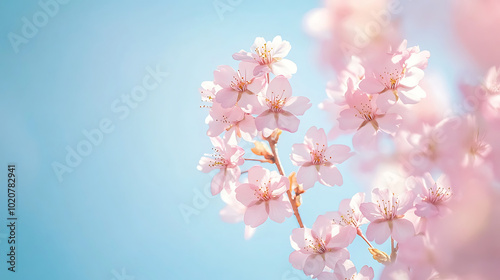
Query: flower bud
x,y
380,256
261,149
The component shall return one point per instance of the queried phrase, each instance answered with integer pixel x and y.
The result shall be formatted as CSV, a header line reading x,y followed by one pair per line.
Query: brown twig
x,y
272,140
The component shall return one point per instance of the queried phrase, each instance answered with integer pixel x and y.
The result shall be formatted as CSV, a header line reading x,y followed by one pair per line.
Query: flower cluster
x,y
442,167
248,105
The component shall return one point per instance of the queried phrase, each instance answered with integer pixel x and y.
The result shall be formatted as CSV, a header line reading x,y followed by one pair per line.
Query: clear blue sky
x,y
116,211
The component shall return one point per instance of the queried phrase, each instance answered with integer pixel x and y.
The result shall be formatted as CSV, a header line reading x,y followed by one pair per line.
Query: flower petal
x,y
330,176
297,105
402,230
300,154
339,255
287,121
365,137
307,175
279,86
256,215
284,67
224,75
371,85
314,265
338,153
279,209
378,231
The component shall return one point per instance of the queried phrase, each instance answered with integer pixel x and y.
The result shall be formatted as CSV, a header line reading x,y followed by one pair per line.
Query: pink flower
x,y
264,197
386,215
410,57
226,158
347,270
336,91
432,196
364,116
349,213
233,121
279,107
323,245
239,87
269,57
317,160
397,76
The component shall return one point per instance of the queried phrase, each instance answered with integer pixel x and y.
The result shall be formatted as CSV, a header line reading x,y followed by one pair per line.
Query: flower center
x,y
276,102
347,218
391,78
438,194
218,161
263,193
316,245
478,148
264,54
317,155
365,112
239,83
388,208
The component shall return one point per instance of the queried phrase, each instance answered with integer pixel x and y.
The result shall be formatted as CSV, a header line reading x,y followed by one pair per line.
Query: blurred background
x,y
127,201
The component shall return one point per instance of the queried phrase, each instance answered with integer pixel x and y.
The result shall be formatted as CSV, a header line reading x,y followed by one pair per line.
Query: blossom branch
x,y
273,140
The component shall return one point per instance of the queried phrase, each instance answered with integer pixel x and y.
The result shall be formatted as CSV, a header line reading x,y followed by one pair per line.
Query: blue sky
x,y
116,211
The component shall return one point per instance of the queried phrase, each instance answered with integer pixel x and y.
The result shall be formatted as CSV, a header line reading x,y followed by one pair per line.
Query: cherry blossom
x,y
233,121
397,76
269,57
279,108
347,270
400,144
322,246
432,195
317,160
264,197
364,116
410,57
336,91
226,158
349,213
386,215
238,87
